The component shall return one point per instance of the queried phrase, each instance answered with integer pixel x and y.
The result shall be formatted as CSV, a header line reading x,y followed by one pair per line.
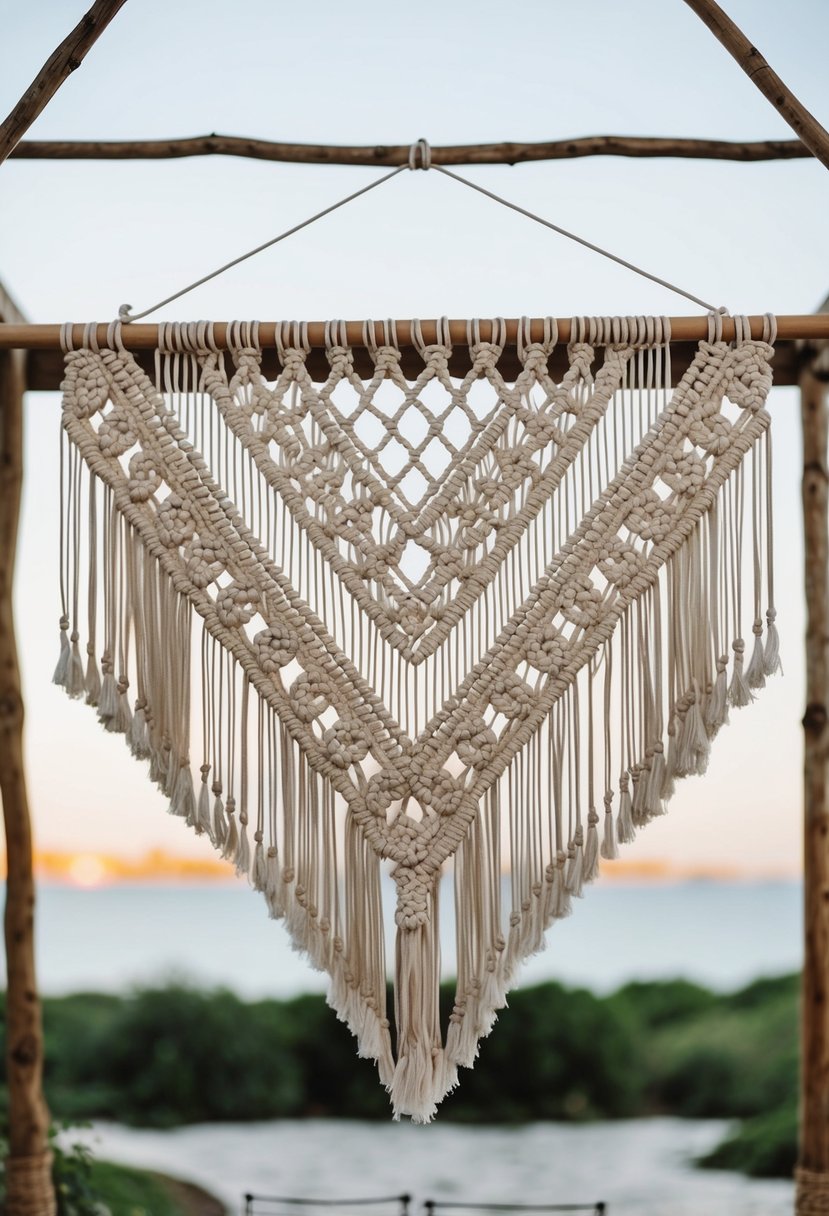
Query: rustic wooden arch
x,y
29,359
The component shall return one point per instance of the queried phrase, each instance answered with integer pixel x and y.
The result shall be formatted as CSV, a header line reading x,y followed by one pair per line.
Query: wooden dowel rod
x,y
387,156
802,121
60,64
145,337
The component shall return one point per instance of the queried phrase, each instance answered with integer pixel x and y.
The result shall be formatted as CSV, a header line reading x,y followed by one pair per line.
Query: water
x,y
641,1167
722,934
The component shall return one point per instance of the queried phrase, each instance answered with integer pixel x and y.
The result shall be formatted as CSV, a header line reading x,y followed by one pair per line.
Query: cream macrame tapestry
x,y
469,625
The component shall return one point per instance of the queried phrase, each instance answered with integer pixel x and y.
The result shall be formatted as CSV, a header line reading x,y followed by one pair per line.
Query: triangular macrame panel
x,y
466,623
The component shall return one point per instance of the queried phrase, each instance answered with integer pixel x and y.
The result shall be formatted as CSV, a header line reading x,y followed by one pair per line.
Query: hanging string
x,y
572,236
420,157
126,314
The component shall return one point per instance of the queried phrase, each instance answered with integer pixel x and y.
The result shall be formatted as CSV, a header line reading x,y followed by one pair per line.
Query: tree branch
x,y
398,154
803,123
60,64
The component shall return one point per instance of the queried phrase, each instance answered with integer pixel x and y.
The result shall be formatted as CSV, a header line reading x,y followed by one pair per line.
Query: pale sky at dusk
x,y
79,239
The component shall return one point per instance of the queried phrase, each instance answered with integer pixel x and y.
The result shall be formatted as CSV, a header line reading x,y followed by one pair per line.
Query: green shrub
x,y
763,1147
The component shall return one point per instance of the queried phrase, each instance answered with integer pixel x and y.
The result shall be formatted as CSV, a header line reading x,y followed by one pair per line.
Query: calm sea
x,y
110,938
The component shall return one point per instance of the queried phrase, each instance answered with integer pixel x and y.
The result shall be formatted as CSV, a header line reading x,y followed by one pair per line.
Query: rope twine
x,y
420,157
812,1195
29,1187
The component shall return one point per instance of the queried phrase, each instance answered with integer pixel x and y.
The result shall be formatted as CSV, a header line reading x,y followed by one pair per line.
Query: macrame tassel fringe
x,y
609,849
92,679
75,677
771,656
624,647
739,693
62,669
591,848
220,828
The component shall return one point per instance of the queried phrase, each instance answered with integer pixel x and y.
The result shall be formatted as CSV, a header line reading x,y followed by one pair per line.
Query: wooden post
x,y
813,1161
29,1190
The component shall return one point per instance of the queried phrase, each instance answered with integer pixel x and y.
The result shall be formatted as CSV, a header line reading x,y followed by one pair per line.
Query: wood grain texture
x,y
802,121
60,64
387,156
28,1168
813,1174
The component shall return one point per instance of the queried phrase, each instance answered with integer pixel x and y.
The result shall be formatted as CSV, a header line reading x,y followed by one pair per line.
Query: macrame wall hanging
x,y
472,625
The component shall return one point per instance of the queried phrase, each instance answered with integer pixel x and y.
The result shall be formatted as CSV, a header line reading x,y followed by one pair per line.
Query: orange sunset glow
x,y
90,869
100,869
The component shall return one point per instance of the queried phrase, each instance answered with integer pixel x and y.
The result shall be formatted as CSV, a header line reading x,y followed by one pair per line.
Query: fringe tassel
x,y
108,700
273,885
62,669
625,831
122,720
693,744
259,871
242,858
92,681
220,828
204,823
231,844
75,684
609,849
591,847
575,868
562,906
716,711
183,801
756,670
739,694
771,657
138,736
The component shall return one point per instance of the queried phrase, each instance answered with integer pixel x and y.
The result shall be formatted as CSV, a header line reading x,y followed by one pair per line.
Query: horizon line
x,y
91,869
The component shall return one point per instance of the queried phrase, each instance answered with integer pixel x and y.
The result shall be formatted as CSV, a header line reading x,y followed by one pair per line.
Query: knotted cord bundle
x,y
434,624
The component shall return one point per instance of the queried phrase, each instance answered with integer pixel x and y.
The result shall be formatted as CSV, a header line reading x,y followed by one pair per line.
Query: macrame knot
x,y
385,788
512,696
412,898
115,434
174,523
440,790
474,742
86,385
546,649
738,646
143,480
309,695
580,600
275,646
236,604
205,560
346,742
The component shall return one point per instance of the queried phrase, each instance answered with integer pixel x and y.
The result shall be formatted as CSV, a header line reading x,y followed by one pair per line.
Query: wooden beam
x,y
803,123
29,1163
813,1160
506,153
60,64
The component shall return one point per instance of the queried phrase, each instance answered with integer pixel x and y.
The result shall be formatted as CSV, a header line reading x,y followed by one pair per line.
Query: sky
x,y
79,239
